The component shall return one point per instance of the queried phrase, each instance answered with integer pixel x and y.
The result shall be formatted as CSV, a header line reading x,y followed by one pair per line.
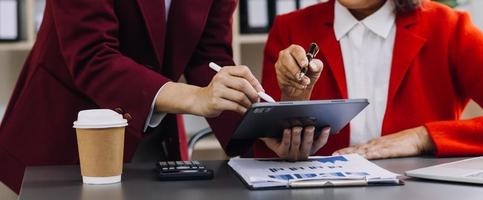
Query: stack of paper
x,y
346,170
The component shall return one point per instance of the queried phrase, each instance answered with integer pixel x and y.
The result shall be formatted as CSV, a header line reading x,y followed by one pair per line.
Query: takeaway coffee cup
x,y
100,140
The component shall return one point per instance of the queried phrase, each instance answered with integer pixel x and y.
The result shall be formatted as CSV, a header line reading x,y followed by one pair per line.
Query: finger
x,y
295,143
372,154
383,150
362,150
288,73
316,66
284,147
243,86
307,141
225,104
288,65
373,141
298,53
343,151
376,149
236,96
245,73
290,82
305,80
380,152
321,140
336,153
271,143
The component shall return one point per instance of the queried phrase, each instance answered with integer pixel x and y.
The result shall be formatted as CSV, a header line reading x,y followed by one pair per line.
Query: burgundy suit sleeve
x,y
215,46
455,138
88,32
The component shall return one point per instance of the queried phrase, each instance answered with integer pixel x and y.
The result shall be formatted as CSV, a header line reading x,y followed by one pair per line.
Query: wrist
x,y
426,144
177,98
299,95
195,104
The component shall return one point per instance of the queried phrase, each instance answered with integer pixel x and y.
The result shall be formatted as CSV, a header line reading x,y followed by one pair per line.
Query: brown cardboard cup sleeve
x,y
100,140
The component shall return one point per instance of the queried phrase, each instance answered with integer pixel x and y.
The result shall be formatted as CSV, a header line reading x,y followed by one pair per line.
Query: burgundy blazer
x,y
106,54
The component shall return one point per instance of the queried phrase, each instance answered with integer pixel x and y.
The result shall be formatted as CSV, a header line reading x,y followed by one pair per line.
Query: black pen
x,y
313,50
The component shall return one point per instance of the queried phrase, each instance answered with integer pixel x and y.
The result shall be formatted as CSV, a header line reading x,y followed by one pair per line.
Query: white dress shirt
x,y
154,117
367,48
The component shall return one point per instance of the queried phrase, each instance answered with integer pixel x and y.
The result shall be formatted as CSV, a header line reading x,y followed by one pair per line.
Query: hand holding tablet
x,y
285,126
298,143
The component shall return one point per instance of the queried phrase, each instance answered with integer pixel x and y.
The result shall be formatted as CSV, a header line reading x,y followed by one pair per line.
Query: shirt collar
x,y
379,22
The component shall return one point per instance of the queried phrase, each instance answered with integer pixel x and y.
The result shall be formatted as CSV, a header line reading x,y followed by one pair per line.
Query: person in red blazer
x,y
436,68
126,56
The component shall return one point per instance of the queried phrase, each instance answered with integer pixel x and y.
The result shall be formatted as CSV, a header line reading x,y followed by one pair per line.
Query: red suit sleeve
x,y
463,137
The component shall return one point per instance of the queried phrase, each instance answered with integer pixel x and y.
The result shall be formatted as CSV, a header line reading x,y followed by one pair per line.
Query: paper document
x,y
344,170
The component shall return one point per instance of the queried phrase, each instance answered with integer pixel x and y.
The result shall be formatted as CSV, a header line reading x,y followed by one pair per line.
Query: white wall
x,y
475,8
10,65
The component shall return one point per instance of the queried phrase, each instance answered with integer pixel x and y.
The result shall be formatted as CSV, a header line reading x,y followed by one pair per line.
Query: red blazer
x,y
106,54
437,67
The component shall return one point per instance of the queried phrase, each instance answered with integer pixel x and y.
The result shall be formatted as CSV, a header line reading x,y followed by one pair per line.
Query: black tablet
x,y
269,119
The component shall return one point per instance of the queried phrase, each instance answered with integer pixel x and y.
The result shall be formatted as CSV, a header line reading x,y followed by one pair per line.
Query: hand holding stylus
x,y
233,88
261,94
298,71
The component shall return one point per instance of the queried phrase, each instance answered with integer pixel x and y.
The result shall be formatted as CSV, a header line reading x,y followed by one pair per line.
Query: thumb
x,y
316,66
269,141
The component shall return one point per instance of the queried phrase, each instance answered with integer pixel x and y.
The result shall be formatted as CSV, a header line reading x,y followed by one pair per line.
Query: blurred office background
x,y
20,19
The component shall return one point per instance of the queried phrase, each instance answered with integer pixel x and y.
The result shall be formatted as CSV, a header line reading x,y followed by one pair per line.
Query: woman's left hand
x,y
410,142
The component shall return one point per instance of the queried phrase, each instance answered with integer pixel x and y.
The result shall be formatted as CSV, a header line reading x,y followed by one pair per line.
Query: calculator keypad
x,y
183,170
179,165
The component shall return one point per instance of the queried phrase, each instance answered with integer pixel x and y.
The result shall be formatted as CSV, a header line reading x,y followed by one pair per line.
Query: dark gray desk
x,y
139,182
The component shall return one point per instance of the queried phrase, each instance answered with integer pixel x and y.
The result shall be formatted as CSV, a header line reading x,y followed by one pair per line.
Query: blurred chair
x,y
6,193
196,138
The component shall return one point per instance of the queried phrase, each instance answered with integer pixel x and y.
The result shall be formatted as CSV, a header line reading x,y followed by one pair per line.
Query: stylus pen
x,y
262,95
313,50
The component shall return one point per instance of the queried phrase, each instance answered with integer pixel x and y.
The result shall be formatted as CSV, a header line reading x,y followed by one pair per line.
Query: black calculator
x,y
182,170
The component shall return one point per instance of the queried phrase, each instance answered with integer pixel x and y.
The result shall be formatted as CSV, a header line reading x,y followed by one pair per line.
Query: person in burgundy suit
x,y
124,55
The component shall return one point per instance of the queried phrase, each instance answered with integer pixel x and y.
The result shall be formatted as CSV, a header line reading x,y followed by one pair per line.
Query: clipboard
x,y
352,171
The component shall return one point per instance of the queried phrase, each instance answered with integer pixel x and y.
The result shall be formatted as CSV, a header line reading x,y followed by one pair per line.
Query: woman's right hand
x,y
233,88
287,67
298,143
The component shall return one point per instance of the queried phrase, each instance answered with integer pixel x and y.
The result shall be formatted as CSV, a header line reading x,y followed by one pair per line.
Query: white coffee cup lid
x,y
99,118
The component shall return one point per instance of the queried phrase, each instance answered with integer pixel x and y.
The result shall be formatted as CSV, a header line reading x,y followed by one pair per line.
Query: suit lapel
x,y
330,49
329,46
154,15
406,48
186,22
